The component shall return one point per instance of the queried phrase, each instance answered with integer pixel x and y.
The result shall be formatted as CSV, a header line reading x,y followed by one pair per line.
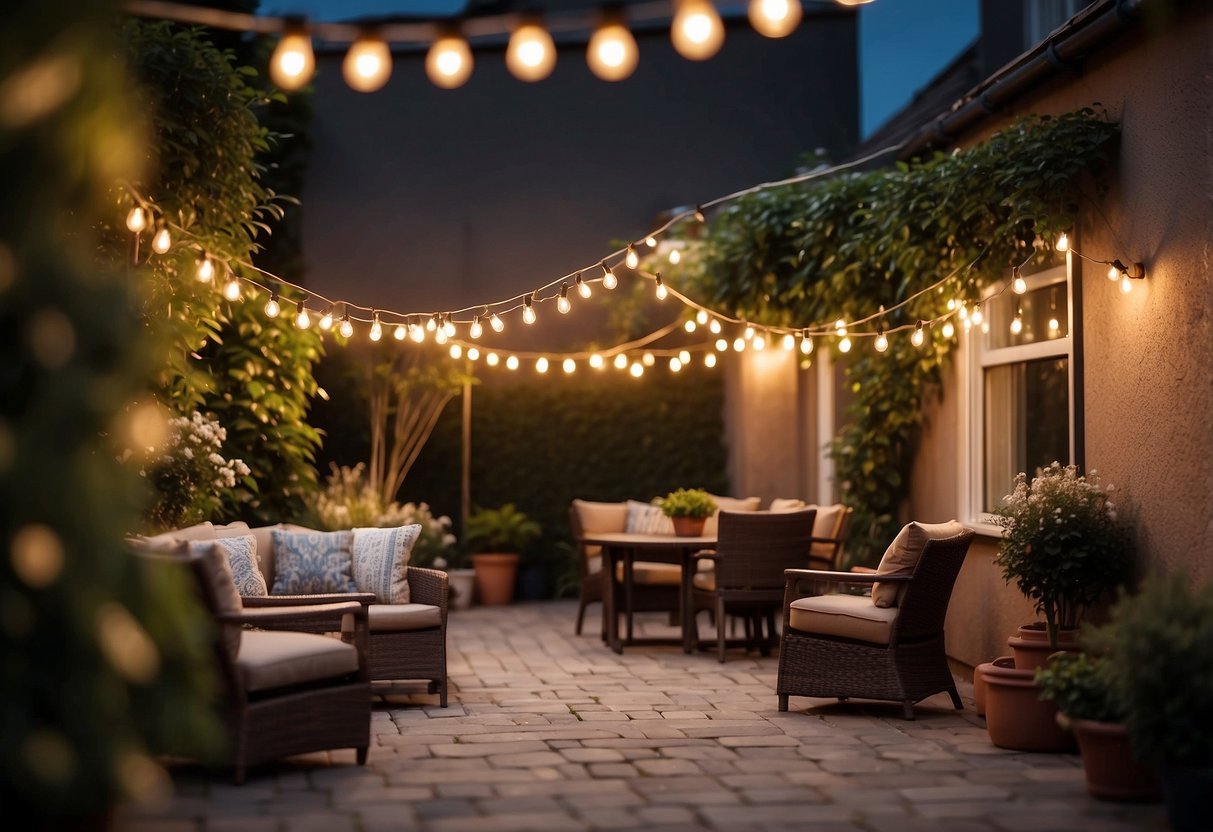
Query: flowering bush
x,y
191,477
347,501
1062,543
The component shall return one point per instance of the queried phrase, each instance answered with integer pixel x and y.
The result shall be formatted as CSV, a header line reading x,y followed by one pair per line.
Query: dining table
x,y
629,547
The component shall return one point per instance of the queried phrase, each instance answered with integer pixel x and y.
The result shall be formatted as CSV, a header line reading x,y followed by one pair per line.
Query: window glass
x,y
1041,312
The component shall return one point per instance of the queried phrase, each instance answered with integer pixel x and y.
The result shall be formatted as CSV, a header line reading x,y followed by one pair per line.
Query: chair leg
x,y
442,693
360,755
772,638
956,703
580,615
783,702
907,708
720,634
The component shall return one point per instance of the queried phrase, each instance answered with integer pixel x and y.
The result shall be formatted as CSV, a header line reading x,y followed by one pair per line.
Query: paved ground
x,y
551,731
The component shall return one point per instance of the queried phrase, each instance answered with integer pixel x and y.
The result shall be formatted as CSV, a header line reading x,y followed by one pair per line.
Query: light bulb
x,y
684,356
675,365
689,326
709,360
302,319
511,363
696,31
1063,243
978,316
788,342
631,259
749,332
417,333
775,18
882,342
231,289
721,345
473,354
661,291
1126,285
739,344
448,327
136,219
1019,285
621,361
609,281
541,365
951,304
496,323
963,314
650,241
612,53
272,307
400,332
918,336
806,344
968,324
649,359
376,329
701,317
562,303
760,342
569,365
637,370
528,311
492,359
1113,273
326,320
531,55
206,269
432,323
714,327
948,329
675,257
840,326
476,329
293,62
699,215
368,63
346,329
844,345
596,361
449,62
1016,325
440,336
456,351
583,288
162,242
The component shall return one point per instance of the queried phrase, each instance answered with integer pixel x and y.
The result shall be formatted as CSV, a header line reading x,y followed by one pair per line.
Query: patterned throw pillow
x,y
644,518
306,563
242,558
381,560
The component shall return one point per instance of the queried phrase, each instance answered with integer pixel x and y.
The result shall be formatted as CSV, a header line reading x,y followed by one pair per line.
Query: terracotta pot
x,y
1015,716
1031,645
1113,773
462,583
688,526
495,575
979,683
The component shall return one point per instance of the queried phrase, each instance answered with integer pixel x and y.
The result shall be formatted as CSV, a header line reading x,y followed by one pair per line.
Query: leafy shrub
x,y
504,529
191,477
1080,686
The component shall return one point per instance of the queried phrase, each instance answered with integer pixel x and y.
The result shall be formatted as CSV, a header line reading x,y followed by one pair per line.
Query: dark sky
x,y
903,43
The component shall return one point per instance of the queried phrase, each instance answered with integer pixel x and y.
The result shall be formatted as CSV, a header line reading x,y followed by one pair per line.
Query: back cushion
x,y
903,553
241,555
381,561
167,540
601,517
306,563
710,528
643,518
780,504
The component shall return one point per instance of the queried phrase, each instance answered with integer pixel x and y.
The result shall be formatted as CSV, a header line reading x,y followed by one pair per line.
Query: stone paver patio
x,y
547,731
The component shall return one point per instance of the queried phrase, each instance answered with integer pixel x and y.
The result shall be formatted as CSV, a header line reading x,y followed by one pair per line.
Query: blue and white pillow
x,y
241,555
307,563
381,560
645,518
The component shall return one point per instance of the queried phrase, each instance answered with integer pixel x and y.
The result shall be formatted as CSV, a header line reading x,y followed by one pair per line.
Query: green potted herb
x,y
688,509
496,536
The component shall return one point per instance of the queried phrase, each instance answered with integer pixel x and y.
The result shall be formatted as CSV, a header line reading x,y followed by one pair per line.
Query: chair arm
x,y
704,554
428,586
795,577
363,598
268,616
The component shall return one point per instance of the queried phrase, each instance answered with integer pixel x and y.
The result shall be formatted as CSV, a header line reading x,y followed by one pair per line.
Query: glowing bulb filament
x,y
1063,243
376,329
631,259
661,292
917,338
162,241
346,329
609,281
882,343
528,311
206,270
476,329
136,220
302,319
496,323
272,307
583,288
562,303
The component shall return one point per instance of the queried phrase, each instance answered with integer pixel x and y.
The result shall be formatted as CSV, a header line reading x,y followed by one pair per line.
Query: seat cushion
x,y
903,553
400,617
711,526
381,561
652,573
844,616
313,562
705,580
277,658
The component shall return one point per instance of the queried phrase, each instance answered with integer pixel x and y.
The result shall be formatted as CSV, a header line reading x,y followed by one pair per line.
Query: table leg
x,y
627,590
611,602
688,614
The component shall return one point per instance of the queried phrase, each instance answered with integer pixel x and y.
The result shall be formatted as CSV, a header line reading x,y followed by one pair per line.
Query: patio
x,y
547,730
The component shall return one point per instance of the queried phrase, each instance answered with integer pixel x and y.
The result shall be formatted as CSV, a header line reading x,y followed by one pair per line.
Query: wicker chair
x,y
753,549
593,581
284,693
825,549
844,646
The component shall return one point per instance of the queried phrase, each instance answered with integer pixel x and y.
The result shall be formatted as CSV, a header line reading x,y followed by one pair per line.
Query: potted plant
x,y
1159,650
688,509
1081,687
496,536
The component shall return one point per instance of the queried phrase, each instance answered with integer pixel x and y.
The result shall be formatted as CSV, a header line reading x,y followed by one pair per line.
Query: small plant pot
x,y
1031,647
979,683
1015,716
688,526
462,583
1113,773
495,576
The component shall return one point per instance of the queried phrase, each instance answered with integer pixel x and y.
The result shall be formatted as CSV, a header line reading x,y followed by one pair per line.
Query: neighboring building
x,y
1132,391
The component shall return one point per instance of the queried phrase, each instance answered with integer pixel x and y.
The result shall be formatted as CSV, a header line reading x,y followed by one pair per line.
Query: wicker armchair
x,y
593,581
844,646
825,549
753,550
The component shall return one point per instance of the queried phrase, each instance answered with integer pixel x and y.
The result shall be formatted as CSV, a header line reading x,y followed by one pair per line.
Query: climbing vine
x,y
846,246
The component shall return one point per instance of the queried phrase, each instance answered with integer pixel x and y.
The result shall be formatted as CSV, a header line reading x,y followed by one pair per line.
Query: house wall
x,y
1148,414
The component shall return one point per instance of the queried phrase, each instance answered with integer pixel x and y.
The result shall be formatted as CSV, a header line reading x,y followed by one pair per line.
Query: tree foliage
x,y
848,245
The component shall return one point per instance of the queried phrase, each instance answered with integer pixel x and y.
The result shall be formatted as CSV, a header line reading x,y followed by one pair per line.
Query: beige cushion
x,y
845,616
643,518
399,617
278,658
710,528
903,553
652,573
598,518
825,524
781,504
166,540
593,560
705,579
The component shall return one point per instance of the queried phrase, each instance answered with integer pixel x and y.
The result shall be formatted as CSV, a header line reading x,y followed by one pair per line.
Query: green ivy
x,y
848,245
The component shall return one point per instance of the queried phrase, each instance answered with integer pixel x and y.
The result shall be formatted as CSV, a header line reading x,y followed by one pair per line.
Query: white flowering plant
x,y
1062,543
192,478
348,500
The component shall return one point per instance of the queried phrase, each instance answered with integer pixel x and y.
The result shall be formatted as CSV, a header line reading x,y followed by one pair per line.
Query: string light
x,y
530,55
476,329
448,64
162,242
609,281
631,259
845,344
696,31
917,338
376,329
400,332
206,269
492,359
650,241
496,323
690,326
701,317
612,54
562,303
1063,243
456,351
739,345
788,342
700,217
637,370
806,343
431,325
541,365
675,364
528,311
774,18
709,360
136,219
597,362
840,326
714,327
346,329
416,332
675,257
293,61
1017,322
621,361
368,63
684,356
326,320
649,359
302,319
748,334
661,291
1126,285
759,342
977,315
721,345
448,326
882,342
440,336
948,329
272,306
569,365
583,288
473,354
1018,284
231,289
512,362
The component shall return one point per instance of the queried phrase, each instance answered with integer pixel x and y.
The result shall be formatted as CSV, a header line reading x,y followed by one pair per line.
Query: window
x,y
1020,396
1041,17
